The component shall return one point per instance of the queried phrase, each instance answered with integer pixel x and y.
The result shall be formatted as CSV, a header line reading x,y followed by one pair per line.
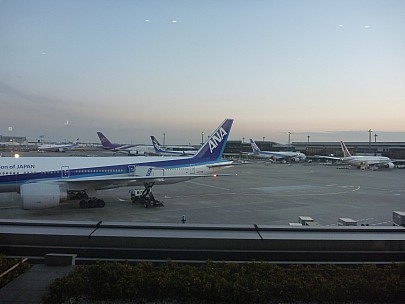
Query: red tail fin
x,y
346,152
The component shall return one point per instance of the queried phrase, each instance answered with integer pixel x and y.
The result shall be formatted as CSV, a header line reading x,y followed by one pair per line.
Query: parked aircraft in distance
x,y
361,161
9,144
276,155
44,182
171,150
57,147
125,149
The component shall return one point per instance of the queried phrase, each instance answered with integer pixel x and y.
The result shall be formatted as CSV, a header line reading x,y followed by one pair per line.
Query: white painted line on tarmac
x,y
210,186
344,187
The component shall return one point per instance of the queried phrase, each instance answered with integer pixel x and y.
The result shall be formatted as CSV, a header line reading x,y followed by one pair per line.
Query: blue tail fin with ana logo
x,y
255,148
215,145
156,144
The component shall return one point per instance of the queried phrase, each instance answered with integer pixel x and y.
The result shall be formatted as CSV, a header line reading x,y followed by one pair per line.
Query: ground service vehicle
x,y
145,197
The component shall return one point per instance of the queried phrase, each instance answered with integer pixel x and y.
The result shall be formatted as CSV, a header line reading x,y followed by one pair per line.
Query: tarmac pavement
x,y
260,193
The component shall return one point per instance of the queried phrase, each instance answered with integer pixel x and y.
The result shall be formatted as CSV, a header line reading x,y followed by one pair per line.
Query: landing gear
x,y
145,197
77,195
84,200
92,202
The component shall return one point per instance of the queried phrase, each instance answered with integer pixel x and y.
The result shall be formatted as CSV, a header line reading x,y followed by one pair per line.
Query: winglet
x,y
345,151
255,148
214,147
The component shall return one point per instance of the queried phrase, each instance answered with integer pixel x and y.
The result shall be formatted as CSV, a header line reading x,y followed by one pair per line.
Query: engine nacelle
x,y
41,195
296,159
136,153
390,166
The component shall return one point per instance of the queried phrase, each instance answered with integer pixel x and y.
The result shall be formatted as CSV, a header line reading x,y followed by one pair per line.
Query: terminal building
x,y
19,140
393,150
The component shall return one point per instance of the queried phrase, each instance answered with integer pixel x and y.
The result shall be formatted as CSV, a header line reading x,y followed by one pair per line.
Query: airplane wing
x,y
327,157
112,182
129,178
280,155
374,163
224,164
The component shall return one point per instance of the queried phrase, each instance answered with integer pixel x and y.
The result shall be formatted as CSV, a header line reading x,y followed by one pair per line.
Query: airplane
x,y
171,151
9,144
279,155
58,147
44,182
126,149
361,161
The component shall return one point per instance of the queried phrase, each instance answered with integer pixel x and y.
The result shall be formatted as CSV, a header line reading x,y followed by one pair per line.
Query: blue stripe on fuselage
x,y
99,171
209,153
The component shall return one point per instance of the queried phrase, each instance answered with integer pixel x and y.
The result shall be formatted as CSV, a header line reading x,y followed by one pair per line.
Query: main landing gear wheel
x,y
92,203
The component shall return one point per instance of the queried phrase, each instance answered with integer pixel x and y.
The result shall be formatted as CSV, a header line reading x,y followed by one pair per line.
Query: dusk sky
x,y
131,69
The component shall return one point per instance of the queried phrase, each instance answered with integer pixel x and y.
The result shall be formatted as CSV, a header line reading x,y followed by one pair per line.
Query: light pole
x,y
202,138
164,139
243,140
264,138
369,140
375,137
308,138
289,138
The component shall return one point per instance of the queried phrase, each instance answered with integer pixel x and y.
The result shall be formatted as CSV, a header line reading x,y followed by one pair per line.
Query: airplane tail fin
x,y
104,140
255,148
345,151
156,144
214,147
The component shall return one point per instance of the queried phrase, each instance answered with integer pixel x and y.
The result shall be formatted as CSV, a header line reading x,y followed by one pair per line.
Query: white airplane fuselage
x,y
280,155
364,161
295,156
44,182
367,160
68,169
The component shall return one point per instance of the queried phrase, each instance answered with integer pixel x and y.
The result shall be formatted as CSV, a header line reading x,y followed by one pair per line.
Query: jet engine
x,y
41,195
136,153
390,166
296,159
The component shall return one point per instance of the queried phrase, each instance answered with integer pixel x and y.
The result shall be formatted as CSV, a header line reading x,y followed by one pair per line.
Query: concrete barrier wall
x,y
107,240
